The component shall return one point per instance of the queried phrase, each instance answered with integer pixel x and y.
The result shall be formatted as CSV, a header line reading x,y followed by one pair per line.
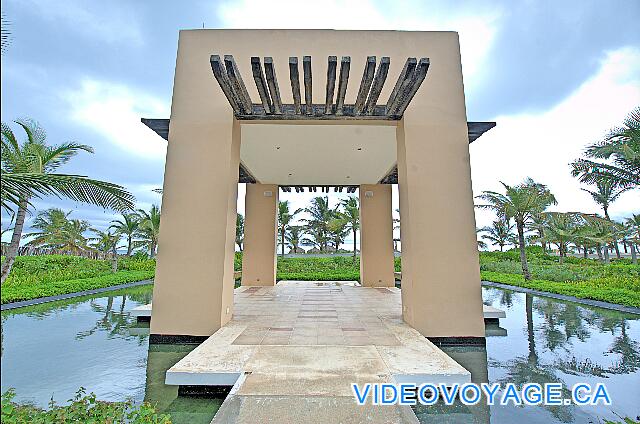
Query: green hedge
x,y
600,289
337,268
18,292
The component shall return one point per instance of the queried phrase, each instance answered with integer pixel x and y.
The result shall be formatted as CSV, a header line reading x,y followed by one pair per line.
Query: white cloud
x,y
542,145
476,27
114,111
92,19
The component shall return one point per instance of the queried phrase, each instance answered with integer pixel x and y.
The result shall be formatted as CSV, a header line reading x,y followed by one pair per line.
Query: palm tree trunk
x,y
354,243
624,244
129,245
615,242
561,249
599,250
282,235
584,252
523,253
12,250
606,254
114,260
634,257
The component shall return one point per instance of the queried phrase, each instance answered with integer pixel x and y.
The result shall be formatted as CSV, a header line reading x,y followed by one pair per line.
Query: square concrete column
x,y
193,289
260,235
376,236
441,291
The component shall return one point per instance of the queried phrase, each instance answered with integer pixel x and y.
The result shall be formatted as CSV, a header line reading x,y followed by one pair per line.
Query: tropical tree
x,y
520,202
607,191
127,226
107,243
350,218
318,224
500,233
617,157
338,231
285,218
239,230
633,231
561,228
27,172
294,238
149,229
56,231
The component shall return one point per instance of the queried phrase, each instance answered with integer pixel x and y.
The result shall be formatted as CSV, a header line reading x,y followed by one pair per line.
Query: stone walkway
x,y
293,350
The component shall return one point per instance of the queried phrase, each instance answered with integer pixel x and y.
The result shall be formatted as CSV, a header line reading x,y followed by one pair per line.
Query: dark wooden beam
x,y
378,83
308,94
261,84
295,83
272,81
316,113
416,80
365,84
331,84
238,85
217,66
345,65
403,79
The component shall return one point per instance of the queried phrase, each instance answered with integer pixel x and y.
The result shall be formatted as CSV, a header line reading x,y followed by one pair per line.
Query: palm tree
x,y
521,202
107,242
239,230
350,217
318,224
561,228
621,147
56,231
127,226
294,238
149,229
338,231
633,228
27,172
500,233
607,191
285,217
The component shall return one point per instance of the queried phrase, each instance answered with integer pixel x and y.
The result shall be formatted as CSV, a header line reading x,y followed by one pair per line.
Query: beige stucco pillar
x,y
376,236
260,235
193,290
441,291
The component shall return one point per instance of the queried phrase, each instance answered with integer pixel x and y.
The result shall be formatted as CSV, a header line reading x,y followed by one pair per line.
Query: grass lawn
x,y
40,276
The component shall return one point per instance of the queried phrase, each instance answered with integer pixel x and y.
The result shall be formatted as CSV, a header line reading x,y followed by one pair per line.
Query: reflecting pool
x,y
51,350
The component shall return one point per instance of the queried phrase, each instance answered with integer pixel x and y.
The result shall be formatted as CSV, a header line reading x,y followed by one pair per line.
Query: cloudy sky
x,y
555,76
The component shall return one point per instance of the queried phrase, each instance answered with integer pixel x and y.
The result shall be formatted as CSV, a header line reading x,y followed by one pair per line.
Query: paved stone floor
x,y
293,351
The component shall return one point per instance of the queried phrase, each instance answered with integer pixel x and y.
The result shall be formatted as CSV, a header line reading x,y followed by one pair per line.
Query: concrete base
x,y
298,346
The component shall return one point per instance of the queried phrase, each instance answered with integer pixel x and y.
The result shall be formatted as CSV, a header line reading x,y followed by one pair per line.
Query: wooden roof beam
x,y
295,84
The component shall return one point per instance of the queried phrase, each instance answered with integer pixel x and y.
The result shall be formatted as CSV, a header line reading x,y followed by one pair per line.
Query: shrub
x,y
82,408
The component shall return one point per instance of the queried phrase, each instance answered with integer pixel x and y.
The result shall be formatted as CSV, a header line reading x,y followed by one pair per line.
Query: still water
x,y
51,350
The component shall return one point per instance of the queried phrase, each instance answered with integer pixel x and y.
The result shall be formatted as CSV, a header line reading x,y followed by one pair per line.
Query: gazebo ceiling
x,y
365,107
161,127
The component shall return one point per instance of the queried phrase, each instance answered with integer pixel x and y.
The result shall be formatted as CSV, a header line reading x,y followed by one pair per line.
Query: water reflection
x,y
52,349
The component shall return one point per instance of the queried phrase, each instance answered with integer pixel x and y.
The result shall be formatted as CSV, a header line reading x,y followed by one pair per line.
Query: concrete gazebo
x,y
313,110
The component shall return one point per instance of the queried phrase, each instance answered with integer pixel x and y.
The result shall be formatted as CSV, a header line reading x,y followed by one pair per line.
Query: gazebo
x,y
296,110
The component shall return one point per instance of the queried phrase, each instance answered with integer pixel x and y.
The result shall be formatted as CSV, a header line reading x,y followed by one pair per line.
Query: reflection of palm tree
x,y
629,351
115,323
524,370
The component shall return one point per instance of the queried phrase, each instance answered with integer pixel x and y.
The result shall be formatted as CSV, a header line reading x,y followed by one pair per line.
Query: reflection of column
x,y
474,359
441,292
165,398
260,235
376,236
